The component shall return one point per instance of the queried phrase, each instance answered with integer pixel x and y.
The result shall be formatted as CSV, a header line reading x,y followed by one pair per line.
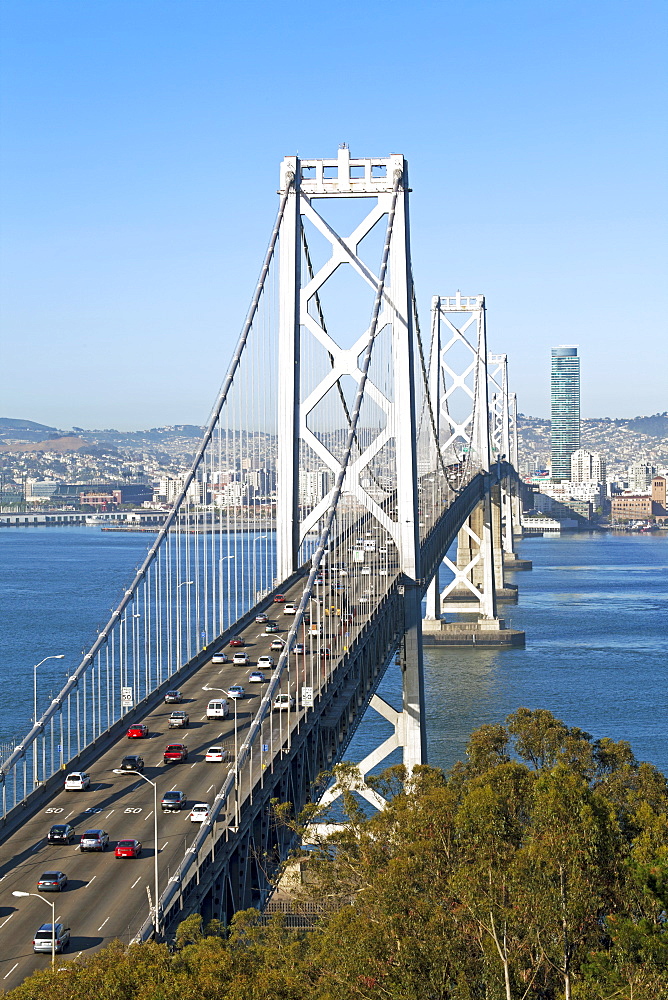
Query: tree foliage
x,y
536,870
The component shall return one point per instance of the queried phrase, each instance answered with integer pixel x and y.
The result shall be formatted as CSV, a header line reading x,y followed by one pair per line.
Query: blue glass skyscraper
x,y
565,397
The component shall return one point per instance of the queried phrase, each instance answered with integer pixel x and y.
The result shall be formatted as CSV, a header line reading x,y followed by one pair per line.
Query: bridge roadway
x,y
106,898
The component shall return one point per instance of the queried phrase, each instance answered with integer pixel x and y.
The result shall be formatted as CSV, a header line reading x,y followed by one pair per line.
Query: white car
x,y
236,691
290,609
77,781
283,702
200,812
241,659
218,755
266,662
277,644
220,658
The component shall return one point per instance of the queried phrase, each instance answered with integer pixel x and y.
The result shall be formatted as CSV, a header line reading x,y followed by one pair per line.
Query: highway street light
x,y
49,902
138,774
54,656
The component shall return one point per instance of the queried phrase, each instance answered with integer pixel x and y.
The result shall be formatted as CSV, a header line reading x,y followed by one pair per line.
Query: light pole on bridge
x,y
138,774
49,902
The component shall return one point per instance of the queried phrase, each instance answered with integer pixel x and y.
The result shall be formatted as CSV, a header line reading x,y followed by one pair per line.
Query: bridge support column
x,y
287,464
473,590
474,571
414,736
505,593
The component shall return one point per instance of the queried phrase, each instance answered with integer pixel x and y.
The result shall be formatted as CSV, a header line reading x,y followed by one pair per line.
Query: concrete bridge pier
x,y
474,589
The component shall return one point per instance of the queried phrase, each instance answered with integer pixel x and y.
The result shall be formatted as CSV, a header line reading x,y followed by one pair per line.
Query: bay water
x,y
594,609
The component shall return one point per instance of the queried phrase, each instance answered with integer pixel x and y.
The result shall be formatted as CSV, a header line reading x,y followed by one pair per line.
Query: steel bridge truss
x,y
359,463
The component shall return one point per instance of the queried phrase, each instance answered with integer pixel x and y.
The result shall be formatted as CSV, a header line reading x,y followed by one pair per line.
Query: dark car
x,y
94,840
61,833
271,627
173,698
173,801
175,753
178,720
133,762
128,849
52,882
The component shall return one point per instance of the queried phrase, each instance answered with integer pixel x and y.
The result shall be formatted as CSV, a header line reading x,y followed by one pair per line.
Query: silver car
x,y
44,938
94,840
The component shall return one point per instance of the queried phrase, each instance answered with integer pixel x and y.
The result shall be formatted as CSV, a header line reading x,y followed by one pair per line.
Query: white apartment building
x,y
640,477
231,495
169,488
590,490
587,465
314,485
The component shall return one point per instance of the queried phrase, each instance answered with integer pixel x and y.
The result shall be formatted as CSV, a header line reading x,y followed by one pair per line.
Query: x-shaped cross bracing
x,y
345,361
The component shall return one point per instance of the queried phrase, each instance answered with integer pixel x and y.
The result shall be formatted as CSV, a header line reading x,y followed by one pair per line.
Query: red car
x,y
138,732
279,599
175,753
237,640
128,849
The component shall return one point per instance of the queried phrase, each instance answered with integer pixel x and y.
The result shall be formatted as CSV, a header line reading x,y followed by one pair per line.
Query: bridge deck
x,y
106,898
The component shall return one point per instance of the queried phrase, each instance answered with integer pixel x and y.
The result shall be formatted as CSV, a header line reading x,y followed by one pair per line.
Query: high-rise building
x,y
587,465
565,398
640,476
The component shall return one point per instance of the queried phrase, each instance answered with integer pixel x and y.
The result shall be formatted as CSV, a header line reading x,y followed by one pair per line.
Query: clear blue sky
x,y
140,148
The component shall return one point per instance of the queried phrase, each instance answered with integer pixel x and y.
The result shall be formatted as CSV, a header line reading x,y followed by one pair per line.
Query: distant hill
x,y
23,425
60,444
25,430
656,426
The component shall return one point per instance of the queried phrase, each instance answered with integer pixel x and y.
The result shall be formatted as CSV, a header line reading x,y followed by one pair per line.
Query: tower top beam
x,y
350,176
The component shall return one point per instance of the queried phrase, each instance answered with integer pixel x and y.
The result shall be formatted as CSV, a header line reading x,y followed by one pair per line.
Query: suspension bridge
x,y
348,448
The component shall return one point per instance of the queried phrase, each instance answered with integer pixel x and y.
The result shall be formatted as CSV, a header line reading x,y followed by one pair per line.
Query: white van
x,y
217,708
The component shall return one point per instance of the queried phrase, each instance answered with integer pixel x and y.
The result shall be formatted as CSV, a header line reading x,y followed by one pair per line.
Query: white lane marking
x,y
79,954
70,814
191,766
203,718
36,848
92,880
98,787
5,921
150,814
135,882
109,814
10,971
209,788
102,924
3,876
163,846
173,788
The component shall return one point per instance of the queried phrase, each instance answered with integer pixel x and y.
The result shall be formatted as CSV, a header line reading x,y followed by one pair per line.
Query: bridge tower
x,y
371,190
474,431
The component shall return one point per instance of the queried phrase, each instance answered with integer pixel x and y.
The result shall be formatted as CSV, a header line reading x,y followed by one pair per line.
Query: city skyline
x,y
141,147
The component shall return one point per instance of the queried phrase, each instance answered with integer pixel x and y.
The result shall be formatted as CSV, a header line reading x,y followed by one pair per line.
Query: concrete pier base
x,y
487,632
510,561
